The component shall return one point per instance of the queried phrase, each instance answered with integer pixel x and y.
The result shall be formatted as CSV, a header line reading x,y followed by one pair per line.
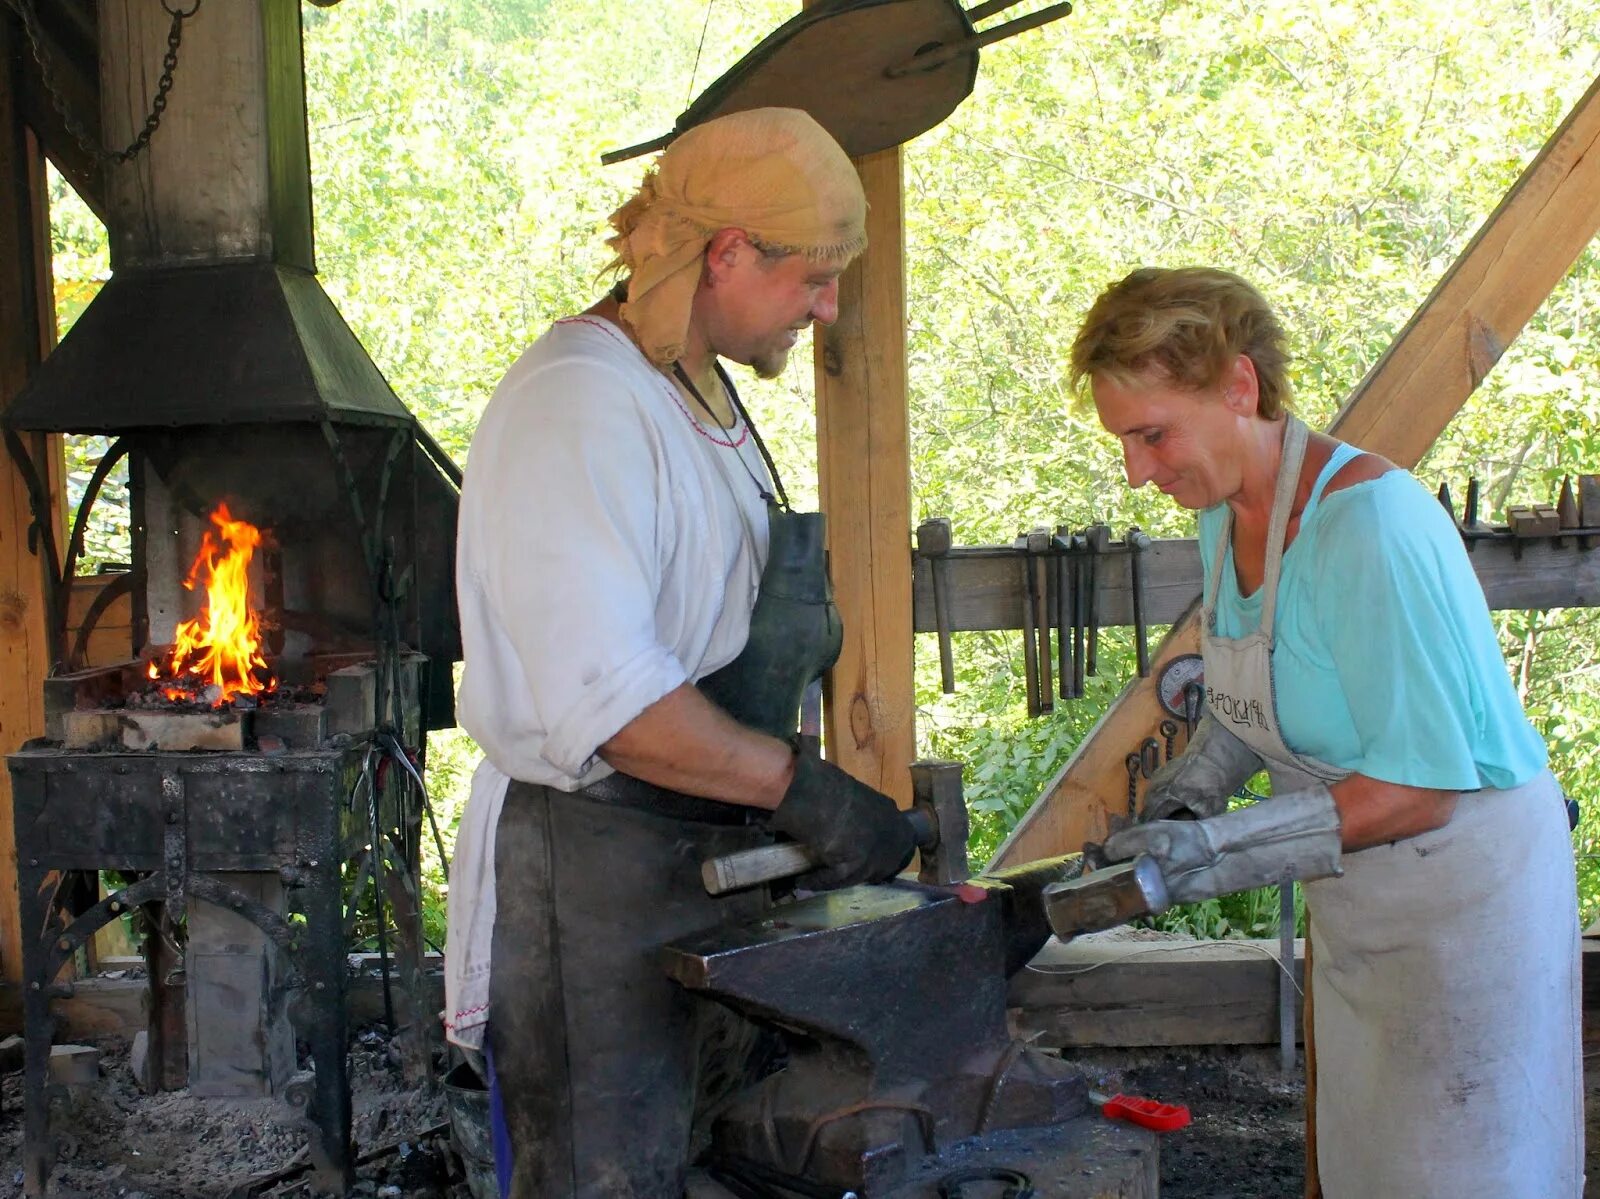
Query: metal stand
x,y
183,823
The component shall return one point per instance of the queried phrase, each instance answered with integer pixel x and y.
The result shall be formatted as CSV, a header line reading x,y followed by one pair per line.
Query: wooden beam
x,y
863,463
985,590
1519,255
27,332
69,43
1095,993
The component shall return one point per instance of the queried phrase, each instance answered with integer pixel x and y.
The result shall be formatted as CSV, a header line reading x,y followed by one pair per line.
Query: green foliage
x,y
1339,155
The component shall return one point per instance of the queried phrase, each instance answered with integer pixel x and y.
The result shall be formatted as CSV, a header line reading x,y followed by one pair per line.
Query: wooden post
x,y
1519,255
27,332
863,460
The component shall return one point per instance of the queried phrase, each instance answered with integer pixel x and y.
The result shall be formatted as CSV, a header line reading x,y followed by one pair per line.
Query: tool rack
x,y
1059,588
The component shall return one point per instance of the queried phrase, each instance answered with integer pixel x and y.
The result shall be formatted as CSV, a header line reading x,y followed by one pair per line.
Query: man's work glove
x,y
1200,780
1252,847
857,833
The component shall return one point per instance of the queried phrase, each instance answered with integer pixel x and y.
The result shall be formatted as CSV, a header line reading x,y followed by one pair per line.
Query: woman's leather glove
x,y
1200,781
1250,847
856,832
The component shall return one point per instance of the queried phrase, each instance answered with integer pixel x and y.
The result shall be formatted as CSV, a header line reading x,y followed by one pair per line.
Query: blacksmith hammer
x,y
1030,644
933,543
1104,898
938,819
1097,541
1138,543
1065,569
1038,598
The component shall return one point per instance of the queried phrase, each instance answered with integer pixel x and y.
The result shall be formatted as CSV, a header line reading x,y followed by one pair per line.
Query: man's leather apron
x,y
1445,973
599,1059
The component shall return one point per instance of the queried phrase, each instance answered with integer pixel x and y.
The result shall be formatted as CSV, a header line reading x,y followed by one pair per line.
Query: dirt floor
x,y
116,1142
1246,1140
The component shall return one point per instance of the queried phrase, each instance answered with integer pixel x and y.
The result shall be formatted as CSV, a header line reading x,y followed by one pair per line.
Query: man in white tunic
x,y
640,612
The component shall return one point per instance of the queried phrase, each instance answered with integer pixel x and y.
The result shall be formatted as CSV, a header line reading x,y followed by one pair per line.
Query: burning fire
x,y
221,647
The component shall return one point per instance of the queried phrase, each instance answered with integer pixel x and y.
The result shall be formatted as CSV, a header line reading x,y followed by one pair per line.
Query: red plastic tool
x,y
1147,1113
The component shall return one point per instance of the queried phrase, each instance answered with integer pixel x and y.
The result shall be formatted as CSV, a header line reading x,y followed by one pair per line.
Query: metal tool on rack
x,y
933,543
1038,563
1065,569
1138,544
1097,543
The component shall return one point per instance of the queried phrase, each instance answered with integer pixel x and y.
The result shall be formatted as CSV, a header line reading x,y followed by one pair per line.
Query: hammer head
x,y
938,797
933,537
1105,898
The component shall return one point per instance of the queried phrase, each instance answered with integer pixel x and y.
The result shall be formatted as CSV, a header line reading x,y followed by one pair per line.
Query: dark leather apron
x,y
606,1070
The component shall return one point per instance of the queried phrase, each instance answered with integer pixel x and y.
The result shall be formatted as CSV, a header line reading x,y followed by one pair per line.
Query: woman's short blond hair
x,y
1187,325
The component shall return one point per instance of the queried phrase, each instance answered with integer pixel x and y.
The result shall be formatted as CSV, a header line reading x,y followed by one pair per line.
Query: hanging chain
x,y
169,65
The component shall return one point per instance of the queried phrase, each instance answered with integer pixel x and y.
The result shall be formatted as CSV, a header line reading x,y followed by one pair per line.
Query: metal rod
x,y
1079,567
1039,597
1286,988
655,143
1058,568
982,12
937,57
80,523
1030,647
1138,543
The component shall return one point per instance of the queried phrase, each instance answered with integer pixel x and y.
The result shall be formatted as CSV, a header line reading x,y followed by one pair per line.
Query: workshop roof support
x,y
27,332
864,477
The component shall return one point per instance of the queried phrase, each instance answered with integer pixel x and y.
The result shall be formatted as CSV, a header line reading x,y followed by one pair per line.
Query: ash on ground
x,y
1247,1139
114,1141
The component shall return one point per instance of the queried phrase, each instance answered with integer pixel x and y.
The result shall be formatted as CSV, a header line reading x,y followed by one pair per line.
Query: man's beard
x,y
769,364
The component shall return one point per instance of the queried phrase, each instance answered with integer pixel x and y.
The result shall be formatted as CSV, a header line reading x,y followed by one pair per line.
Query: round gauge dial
x,y
1175,677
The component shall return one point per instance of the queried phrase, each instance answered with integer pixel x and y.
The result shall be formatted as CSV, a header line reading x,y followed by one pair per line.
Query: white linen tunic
x,y
610,549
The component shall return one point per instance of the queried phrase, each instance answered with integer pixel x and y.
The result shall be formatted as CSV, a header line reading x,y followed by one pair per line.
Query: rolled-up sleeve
x,y
568,521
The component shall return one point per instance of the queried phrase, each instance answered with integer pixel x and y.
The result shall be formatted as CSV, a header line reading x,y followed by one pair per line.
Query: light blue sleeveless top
x,y
1384,658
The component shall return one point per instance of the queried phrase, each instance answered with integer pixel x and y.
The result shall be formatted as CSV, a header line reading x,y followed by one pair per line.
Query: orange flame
x,y
221,646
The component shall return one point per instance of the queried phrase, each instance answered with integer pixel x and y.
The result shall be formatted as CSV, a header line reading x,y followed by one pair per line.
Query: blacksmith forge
x,y
226,380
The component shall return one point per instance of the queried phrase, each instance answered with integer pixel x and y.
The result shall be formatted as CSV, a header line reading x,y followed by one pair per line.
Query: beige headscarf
x,y
773,172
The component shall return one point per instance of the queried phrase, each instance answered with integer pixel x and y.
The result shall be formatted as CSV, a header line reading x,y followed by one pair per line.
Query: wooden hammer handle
x,y
768,863
751,867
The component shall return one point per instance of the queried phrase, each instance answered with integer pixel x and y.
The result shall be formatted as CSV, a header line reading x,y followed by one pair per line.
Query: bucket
x,y
471,1133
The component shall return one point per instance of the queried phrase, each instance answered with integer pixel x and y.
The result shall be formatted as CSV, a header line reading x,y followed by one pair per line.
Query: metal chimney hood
x,y
213,314
223,344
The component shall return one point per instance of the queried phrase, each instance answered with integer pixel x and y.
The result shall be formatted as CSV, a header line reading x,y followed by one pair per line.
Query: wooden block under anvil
x,y
171,732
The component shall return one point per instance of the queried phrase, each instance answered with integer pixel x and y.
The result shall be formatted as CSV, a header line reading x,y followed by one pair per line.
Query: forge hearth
x,y
120,708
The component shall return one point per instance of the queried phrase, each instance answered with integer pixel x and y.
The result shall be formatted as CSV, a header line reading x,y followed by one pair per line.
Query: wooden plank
x,y
863,463
986,591
1099,993
112,637
27,330
1513,263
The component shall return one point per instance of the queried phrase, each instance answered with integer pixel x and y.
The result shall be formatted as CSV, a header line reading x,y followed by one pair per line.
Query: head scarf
x,y
773,172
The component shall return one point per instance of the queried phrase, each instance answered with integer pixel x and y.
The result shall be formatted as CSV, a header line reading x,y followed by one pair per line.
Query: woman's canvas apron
x,y
1447,1015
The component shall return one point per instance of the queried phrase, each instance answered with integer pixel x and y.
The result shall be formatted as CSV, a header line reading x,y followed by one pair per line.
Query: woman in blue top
x,y
1348,650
